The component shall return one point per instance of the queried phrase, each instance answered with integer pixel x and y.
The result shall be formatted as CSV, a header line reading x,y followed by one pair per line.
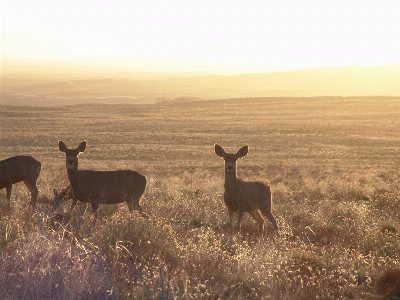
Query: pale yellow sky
x,y
223,37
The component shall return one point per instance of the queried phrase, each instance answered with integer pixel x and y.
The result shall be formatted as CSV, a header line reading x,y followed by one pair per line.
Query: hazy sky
x,y
203,36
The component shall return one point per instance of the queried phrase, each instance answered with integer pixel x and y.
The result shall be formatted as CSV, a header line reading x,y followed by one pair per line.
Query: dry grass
x,y
332,164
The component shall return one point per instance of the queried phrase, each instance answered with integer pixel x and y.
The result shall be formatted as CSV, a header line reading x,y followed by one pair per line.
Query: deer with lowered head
x,y
64,195
20,168
102,187
245,196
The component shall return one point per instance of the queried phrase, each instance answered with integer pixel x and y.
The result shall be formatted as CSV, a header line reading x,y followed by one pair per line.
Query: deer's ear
x,y
219,150
81,147
62,146
243,151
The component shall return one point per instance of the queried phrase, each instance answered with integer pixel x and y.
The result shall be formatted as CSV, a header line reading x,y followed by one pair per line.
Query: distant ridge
x,y
327,81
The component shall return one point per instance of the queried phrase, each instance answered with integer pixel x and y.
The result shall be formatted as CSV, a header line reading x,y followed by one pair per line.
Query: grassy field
x,y
332,164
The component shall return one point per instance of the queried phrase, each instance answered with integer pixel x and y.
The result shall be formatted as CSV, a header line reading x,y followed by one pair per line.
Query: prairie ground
x,y
332,164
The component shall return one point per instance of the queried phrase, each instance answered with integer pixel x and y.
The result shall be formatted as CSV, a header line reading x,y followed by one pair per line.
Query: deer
x,y
102,187
64,195
244,196
20,168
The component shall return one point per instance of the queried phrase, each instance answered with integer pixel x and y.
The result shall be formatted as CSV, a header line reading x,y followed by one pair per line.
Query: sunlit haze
x,y
196,37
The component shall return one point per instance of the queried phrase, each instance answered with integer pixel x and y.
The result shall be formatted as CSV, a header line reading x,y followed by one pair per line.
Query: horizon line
x,y
184,73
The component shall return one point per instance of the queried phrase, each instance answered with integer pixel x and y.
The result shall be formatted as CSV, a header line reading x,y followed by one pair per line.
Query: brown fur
x,y
245,196
20,168
102,187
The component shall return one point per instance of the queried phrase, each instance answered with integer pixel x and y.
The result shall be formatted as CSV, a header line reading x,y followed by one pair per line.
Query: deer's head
x,y
71,155
230,158
57,199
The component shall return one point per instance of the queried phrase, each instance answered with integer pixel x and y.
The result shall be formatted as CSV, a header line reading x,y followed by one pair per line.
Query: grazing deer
x,y
102,187
65,194
245,196
20,168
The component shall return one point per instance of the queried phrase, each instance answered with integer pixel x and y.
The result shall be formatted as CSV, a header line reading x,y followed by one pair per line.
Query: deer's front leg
x,y
74,201
239,221
231,215
95,209
9,189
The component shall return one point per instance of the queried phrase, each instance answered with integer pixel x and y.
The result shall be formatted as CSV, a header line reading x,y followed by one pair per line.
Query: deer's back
x,y
18,168
109,186
247,195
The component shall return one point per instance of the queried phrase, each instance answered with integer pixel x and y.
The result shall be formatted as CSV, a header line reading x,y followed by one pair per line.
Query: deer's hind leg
x,y
129,203
133,204
32,187
256,214
270,217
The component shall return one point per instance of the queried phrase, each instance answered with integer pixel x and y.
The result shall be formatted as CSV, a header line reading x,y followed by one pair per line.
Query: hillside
x,y
133,89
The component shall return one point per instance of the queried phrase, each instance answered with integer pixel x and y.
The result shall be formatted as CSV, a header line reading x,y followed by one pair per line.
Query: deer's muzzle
x,y
70,164
229,167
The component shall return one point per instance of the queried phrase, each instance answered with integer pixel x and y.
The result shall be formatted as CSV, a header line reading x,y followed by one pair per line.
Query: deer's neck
x,y
230,180
72,176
